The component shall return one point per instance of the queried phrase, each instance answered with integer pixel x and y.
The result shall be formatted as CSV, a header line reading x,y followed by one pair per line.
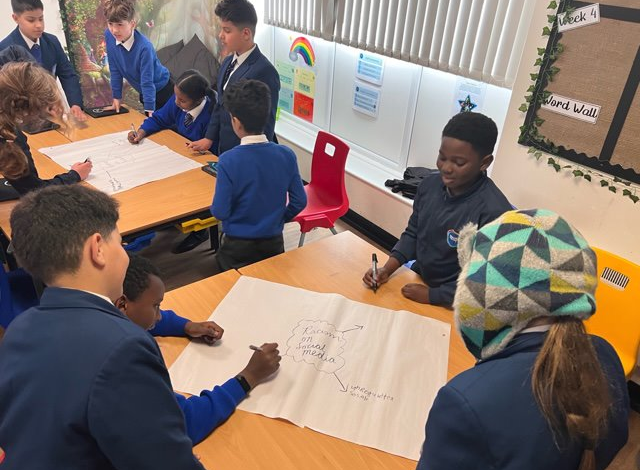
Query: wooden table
x,y
249,441
143,207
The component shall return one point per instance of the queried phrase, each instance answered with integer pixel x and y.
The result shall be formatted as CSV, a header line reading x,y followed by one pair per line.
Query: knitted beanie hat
x,y
523,265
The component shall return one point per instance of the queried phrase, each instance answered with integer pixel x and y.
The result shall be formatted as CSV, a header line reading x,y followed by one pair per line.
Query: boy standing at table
x,y
45,49
254,181
238,21
132,57
444,203
141,299
81,386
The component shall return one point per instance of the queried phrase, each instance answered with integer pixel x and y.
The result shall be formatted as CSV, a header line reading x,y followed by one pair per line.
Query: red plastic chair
x,y
327,199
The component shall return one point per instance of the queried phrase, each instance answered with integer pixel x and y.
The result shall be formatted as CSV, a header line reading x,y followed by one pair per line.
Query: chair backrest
x,y
327,166
617,317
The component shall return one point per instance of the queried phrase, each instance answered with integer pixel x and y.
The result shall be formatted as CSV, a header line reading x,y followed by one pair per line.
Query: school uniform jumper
x,y
431,236
31,180
81,386
140,67
170,116
255,67
54,60
202,413
250,199
487,418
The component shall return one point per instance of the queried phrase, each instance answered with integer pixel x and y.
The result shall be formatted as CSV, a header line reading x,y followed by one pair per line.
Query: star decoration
x,y
466,104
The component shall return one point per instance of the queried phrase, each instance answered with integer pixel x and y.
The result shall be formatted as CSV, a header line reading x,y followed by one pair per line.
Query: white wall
x,y
53,23
607,220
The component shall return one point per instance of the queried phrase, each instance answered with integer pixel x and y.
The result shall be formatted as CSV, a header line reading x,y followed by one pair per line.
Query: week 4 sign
x,y
575,109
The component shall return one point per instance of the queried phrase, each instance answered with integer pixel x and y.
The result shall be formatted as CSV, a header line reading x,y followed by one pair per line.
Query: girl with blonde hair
x,y
29,93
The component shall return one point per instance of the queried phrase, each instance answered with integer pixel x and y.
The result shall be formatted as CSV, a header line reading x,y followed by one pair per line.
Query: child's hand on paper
x,y
262,364
82,168
136,137
209,331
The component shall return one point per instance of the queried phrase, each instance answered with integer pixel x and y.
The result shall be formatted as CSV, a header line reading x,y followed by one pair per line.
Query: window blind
x,y
480,39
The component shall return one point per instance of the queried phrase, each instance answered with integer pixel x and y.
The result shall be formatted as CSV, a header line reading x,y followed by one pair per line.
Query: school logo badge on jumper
x,y
452,238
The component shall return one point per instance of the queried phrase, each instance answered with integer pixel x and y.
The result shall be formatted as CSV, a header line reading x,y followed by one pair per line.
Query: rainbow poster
x,y
302,47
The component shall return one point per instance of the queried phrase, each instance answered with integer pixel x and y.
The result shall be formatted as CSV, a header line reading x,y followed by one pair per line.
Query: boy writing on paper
x,y
141,299
258,187
445,202
77,377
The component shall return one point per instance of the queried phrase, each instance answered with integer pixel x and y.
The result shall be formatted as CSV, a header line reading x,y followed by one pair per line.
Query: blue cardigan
x,y
54,60
202,413
252,186
140,67
486,418
81,386
170,116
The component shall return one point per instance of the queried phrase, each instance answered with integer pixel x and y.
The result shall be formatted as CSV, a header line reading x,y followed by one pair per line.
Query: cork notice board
x,y
589,112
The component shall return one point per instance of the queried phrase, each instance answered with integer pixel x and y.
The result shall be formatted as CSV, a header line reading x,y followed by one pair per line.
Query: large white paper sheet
x,y
351,370
118,165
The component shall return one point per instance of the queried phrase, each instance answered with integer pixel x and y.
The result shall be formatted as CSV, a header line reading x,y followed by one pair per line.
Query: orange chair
x,y
617,317
327,199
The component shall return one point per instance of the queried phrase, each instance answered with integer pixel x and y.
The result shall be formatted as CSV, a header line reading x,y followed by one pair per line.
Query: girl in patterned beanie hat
x,y
544,394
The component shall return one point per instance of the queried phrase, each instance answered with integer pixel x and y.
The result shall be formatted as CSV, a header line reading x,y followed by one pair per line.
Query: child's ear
x,y
487,160
121,303
15,17
96,249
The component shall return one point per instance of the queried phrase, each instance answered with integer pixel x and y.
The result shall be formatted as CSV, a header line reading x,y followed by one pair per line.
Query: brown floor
x,y
629,457
186,268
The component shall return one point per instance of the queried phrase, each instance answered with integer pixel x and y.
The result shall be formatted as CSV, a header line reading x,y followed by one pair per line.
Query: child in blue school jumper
x,y
187,112
143,293
445,202
132,57
45,49
254,181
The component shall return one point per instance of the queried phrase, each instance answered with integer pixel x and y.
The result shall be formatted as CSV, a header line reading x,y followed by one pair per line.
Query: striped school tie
x,y
227,73
188,119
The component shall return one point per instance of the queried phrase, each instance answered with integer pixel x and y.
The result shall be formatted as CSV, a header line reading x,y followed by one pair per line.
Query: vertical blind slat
x,y
480,39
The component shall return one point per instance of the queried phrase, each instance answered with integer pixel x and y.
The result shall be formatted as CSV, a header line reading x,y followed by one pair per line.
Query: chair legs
x,y
302,235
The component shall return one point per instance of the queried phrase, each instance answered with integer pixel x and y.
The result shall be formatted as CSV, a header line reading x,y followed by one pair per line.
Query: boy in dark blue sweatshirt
x,y
143,293
45,49
444,203
132,57
254,181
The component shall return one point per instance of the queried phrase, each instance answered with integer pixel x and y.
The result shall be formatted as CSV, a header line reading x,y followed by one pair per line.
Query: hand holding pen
x,y
134,137
378,275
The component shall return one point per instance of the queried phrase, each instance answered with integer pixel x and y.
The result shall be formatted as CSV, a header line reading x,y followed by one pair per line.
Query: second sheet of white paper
x,y
351,370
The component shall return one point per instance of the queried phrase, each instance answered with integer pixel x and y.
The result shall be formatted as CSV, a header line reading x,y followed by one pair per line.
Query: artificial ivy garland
x,y
537,95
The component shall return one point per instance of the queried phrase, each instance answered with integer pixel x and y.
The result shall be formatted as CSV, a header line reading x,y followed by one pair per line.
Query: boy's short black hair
x,y
20,6
193,84
477,129
250,102
50,227
239,12
136,281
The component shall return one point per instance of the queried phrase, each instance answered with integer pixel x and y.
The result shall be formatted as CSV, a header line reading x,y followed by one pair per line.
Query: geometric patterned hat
x,y
523,265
